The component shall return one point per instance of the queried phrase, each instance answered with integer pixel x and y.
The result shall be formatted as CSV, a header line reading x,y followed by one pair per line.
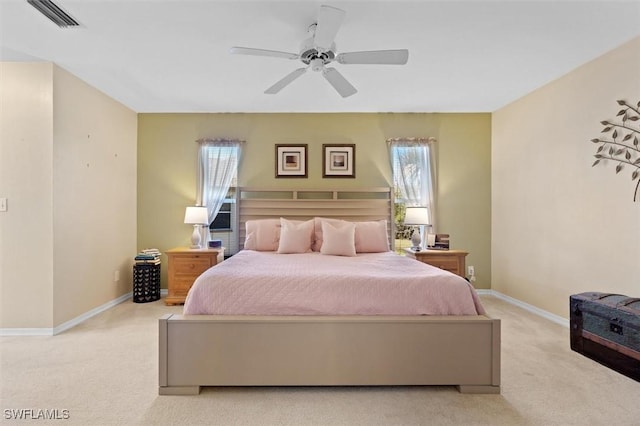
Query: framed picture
x,y
291,161
339,160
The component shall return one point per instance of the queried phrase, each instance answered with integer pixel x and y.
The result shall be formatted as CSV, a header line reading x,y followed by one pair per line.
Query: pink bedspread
x,y
267,283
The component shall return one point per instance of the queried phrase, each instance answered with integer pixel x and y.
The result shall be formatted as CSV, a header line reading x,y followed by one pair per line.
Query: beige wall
x,y
68,168
561,227
94,187
26,169
167,161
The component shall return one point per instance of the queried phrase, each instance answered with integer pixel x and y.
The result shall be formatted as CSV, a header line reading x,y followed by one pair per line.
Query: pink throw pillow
x,y
372,237
338,239
262,234
317,245
295,237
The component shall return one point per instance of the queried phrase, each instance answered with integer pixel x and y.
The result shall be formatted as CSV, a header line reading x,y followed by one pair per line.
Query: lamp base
x,y
195,237
416,240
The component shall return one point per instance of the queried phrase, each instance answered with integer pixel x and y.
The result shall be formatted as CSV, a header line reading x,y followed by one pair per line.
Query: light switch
x,y
3,204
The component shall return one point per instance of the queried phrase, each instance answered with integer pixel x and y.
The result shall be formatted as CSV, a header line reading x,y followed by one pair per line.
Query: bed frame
x,y
221,350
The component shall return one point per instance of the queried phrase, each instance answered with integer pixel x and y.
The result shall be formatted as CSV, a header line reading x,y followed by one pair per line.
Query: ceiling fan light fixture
x,y
317,64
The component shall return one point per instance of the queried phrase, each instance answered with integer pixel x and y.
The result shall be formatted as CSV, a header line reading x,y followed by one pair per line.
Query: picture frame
x,y
291,160
338,160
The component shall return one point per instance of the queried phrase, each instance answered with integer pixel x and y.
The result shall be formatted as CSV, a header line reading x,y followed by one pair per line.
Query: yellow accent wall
x,y
167,154
561,226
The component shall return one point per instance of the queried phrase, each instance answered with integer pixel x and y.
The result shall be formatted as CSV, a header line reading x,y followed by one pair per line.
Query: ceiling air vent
x,y
54,13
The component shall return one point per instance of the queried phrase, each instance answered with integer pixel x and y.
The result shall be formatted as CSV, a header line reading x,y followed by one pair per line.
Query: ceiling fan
x,y
319,50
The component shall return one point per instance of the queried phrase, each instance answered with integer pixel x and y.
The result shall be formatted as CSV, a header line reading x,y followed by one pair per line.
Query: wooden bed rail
x,y
213,350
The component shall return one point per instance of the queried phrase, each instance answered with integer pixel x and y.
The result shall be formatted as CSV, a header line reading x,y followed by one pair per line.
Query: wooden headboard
x,y
359,204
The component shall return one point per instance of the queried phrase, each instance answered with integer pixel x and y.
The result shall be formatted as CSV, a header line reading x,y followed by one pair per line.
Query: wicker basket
x,y
146,283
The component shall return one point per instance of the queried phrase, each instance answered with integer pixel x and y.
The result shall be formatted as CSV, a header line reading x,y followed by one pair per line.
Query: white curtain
x,y
218,161
414,172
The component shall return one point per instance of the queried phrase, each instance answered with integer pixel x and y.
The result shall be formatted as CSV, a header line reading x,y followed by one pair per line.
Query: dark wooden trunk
x,y
606,328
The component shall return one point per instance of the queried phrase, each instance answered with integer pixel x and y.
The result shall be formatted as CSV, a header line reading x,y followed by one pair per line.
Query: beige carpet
x,y
104,372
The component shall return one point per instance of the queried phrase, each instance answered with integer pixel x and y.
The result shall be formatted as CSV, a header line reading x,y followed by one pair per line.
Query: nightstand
x,y
449,260
184,266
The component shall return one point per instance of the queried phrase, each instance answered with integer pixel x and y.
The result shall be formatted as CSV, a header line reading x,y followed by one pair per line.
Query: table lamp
x,y
196,216
416,216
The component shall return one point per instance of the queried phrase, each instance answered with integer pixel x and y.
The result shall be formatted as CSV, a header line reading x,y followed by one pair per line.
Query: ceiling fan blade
x,y
390,57
288,79
329,21
262,52
338,82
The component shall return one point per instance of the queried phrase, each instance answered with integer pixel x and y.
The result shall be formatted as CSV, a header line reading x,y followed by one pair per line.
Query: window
x,y
222,222
413,169
224,225
217,182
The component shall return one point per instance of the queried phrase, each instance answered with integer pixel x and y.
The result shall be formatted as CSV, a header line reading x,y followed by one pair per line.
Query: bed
x,y
380,330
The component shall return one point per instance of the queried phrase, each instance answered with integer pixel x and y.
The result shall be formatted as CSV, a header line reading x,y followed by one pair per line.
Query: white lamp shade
x,y
196,216
416,216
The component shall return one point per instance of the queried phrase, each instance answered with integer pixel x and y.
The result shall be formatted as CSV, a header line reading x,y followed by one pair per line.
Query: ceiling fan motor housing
x,y
310,55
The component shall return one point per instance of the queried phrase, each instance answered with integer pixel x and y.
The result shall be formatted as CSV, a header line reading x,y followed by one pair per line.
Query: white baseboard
x,y
533,309
163,292
66,325
26,332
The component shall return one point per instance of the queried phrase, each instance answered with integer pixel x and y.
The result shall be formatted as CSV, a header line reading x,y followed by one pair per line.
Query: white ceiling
x,y
173,56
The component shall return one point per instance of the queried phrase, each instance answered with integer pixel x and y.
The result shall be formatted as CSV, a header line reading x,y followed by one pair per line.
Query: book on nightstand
x,y
441,242
148,257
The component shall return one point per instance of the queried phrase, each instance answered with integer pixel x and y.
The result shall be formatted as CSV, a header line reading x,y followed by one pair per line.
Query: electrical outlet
x,y
116,275
3,204
471,271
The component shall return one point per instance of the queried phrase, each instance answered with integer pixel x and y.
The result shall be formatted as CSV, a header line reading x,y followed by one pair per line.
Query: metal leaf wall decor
x,y
619,142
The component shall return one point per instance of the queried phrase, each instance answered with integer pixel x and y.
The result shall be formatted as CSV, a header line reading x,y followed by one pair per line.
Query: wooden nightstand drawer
x,y
180,288
185,265
448,264
449,260
191,265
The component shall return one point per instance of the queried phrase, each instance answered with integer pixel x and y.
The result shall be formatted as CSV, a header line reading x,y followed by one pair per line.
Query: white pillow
x,y
262,234
317,221
372,237
338,239
295,237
